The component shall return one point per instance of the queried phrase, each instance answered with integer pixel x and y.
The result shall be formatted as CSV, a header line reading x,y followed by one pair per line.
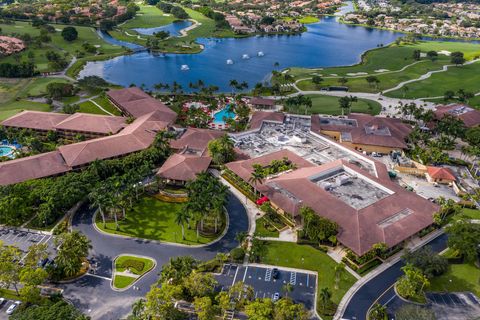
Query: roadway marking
x,y
97,276
245,274
308,278
235,277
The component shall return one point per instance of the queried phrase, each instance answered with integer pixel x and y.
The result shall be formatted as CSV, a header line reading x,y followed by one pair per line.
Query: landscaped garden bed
x,y
264,228
128,269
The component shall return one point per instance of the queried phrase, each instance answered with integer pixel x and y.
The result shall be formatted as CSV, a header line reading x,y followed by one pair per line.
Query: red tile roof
x,y
469,115
34,167
35,120
390,220
183,167
92,123
440,173
262,101
138,103
260,116
196,139
135,137
366,129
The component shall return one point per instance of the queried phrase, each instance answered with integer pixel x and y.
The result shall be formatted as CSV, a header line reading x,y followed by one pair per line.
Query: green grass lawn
x,y
323,104
455,78
85,34
90,107
9,294
148,264
38,86
154,219
394,58
469,214
459,277
107,105
121,281
262,231
9,109
308,19
292,255
148,17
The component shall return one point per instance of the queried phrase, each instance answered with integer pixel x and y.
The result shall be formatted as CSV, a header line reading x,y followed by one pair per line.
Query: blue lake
x,y
327,43
172,28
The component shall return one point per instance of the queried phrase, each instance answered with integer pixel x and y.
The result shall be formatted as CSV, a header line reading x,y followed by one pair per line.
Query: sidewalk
x,y
387,264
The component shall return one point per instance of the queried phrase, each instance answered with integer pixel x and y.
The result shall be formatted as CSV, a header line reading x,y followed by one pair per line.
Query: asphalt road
x,y
93,295
362,300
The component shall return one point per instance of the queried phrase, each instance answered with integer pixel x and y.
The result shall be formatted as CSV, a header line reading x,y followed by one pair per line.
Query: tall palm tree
x,y
233,84
98,200
325,297
256,177
287,288
182,217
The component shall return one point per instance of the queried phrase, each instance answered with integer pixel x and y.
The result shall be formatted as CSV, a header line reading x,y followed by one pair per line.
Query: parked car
x,y
276,296
275,273
2,301
13,306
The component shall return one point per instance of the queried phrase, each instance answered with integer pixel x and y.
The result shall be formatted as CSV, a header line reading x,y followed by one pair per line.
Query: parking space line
x,y
245,274
235,277
308,278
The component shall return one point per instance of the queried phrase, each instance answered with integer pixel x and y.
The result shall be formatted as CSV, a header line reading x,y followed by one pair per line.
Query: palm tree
x,y
233,84
287,288
325,298
182,217
256,177
98,200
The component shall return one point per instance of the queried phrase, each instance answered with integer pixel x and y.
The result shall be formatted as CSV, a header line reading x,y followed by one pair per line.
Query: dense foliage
x,y
428,261
22,70
317,228
49,310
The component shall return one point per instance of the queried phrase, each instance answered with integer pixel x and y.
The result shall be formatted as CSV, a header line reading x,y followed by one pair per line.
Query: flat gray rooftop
x,y
295,135
351,189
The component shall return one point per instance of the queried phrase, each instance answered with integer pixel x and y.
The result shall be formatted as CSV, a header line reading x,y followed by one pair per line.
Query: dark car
x,y
275,273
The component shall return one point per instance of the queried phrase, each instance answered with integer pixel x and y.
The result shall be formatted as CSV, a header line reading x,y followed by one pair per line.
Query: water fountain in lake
x,y
184,67
229,61
245,56
260,54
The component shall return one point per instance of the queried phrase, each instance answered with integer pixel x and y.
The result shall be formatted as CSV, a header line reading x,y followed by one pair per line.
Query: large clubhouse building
x,y
330,171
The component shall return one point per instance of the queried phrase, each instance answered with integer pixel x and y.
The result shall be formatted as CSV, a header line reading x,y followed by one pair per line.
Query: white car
x,y
2,301
13,307
276,296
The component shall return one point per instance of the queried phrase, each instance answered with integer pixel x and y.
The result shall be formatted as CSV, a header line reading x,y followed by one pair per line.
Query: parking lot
x,y
265,286
3,309
24,239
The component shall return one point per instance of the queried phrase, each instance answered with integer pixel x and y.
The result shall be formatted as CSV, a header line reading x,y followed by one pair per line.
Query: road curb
x,y
136,279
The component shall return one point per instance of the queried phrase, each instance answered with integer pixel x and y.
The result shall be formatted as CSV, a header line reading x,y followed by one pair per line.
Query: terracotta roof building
x,y
183,167
35,120
469,115
364,132
440,175
195,139
367,209
262,103
134,102
137,136
260,116
90,125
34,167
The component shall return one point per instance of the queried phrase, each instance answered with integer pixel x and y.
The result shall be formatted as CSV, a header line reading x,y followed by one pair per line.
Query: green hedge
x,y
133,264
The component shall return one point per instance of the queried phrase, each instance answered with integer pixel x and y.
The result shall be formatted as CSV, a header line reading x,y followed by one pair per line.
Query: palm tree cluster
x,y
206,199
221,150
235,85
297,101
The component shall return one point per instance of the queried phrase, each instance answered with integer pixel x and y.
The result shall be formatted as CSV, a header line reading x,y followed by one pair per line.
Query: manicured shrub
x,y
133,264
237,254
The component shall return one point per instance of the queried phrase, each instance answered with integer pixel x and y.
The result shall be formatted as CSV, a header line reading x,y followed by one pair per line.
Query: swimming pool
x,y
6,151
225,113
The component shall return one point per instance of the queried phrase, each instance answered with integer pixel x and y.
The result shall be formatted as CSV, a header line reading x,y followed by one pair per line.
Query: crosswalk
x,y
268,274
293,278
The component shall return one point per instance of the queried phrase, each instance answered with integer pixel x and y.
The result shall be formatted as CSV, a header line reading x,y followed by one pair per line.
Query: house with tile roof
x,y
364,132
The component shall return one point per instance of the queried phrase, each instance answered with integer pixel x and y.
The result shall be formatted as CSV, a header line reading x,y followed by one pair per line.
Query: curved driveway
x,y
380,286
93,295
